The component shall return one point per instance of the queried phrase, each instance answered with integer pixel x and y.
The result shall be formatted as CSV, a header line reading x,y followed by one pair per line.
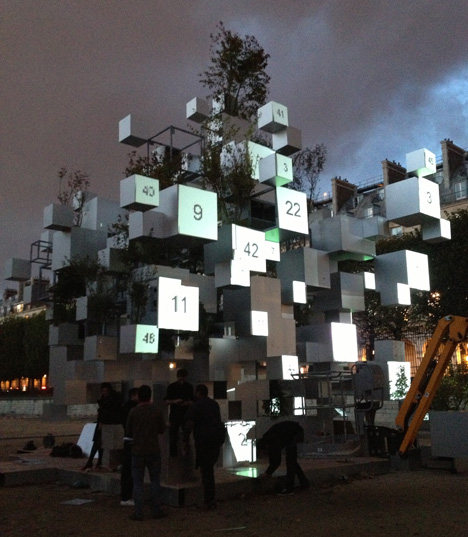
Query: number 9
x,y
197,211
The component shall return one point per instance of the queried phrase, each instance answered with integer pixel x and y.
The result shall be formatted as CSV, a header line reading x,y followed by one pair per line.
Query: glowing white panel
x,y
418,270
292,210
257,152
272,250
178,305
422,162
241,445
198,213
290,366
249,248
299,292
142,338
403,294
344,342
259,323
369,280
139,192
299,409
399,378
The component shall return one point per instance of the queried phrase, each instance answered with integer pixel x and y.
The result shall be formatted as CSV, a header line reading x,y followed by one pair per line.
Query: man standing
x,y
284,435
204,419
126,481
179,397
144,424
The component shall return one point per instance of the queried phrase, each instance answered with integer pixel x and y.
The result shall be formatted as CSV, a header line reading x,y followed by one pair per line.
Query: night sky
x,y
370,79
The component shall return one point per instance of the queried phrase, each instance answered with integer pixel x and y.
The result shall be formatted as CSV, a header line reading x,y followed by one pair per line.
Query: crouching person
x,y
144,425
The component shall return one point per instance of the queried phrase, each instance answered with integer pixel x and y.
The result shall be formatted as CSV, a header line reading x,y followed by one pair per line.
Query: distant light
x,y
172,365
325,194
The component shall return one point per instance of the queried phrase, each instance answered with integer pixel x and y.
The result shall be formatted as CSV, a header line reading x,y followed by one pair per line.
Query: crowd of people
x,y
192,413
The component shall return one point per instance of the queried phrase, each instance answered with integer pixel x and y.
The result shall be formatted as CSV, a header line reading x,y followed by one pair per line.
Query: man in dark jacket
x,y
284,435
144,425
126,481
204,419
179,397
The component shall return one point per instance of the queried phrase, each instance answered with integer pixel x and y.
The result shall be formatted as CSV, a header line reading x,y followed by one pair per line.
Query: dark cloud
x,y
372,79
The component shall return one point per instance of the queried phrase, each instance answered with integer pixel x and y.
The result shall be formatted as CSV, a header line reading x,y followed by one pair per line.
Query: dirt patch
x,y
429,503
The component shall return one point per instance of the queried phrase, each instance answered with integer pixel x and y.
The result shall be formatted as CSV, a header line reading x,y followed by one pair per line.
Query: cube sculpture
x,y
197,110
101,214
287,141
436,231
421,162
139,193
276,170
17,270
398,272
412,201
58,217
131,129
329,342
341,237
188,211
78,243
139,338
272,117
346,293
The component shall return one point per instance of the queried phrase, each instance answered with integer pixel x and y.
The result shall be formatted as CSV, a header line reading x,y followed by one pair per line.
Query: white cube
x,y
437,231
58,217
139,193
131,129
17,270
272,117
421,162
197,110
276,170
142,338
412,201
287,141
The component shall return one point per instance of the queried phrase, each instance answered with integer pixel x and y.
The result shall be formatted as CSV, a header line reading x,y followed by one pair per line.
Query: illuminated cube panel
x,y
404,266
369,280
305,264
139,338
259,323
287,141
131,130
412,201
437,231
189,211
276,170
329,342
178,307
197,110
422,162
283,367
272,250
291,210
272,117
58,217
339,237
101,214
17,270
249,248
139,193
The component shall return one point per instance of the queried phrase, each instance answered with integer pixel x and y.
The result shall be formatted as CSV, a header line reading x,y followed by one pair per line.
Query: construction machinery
x,y
450,331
